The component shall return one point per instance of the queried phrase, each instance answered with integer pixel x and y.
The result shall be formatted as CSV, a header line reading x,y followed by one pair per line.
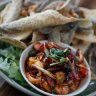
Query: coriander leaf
x,y
76,60
69,66
8,53
57,52
9,63
14,72
4,65
47,52
62,60
11,69
55,56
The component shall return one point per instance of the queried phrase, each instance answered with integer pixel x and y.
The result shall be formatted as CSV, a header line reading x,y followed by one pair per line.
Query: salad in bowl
x,y
55,69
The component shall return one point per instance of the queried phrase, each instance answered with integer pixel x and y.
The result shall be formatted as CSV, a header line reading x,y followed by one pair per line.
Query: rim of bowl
x,y
22,69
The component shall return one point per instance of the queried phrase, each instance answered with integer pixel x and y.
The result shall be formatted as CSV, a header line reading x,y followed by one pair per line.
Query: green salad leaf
x,y
9,63
4,65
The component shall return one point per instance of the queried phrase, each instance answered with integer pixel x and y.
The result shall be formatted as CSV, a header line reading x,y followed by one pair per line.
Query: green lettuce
x,y
9,63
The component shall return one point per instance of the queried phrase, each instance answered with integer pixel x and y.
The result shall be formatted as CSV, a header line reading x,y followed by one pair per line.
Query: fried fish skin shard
x,y
11,11
39,20
13,42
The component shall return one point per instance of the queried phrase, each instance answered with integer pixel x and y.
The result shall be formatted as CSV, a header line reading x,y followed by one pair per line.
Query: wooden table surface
x,y
6,89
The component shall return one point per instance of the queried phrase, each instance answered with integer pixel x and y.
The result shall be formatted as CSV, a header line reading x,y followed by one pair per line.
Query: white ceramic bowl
x,y
83,85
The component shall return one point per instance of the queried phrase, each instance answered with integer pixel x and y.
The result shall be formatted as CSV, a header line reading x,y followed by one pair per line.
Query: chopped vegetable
x,y
44,71
47,52
57,68
62,61
37,46
60,76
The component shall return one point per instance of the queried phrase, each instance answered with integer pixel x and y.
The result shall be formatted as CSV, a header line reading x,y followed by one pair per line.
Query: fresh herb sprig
x,y
57,54
62,61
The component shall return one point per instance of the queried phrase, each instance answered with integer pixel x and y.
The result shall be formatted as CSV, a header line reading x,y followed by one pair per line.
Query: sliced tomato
x,y
84,71
43,47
